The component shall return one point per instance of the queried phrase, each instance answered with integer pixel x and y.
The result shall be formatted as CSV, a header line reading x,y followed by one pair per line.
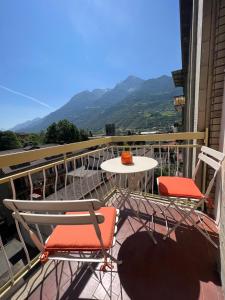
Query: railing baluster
x,y
110,176
153,172
98,168
31,186
23,243
104,177
87,175
81,181
177,169
31,198
56,182
7,260
19,234
44,189
120,176
136,150
44,183
160,158
94,174
118,151
145,181
13,188
146,173
73,178
66,179
112,152
93,177
168,153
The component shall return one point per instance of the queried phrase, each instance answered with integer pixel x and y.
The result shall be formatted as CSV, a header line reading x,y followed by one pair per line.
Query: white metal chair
x,y
85,231
175,188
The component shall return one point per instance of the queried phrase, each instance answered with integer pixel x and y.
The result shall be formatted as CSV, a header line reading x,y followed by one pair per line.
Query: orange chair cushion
x,y
83,237
178,187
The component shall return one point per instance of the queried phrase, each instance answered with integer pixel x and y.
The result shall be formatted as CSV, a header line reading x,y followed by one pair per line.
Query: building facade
x,y
202,78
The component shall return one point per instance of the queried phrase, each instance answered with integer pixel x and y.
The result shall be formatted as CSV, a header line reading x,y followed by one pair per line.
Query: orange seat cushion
x,y
178,187
83,237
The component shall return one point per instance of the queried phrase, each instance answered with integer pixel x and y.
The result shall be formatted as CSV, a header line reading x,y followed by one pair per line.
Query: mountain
x,y
132,103
25,126
159,85
149,106
72,110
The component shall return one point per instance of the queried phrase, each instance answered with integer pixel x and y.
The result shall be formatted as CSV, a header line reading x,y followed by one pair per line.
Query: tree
x,y
83,135
51,135
62,132
33,139
9,140
67,132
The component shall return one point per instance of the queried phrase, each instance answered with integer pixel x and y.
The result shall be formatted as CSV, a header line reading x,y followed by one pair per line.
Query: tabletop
x,y
140,164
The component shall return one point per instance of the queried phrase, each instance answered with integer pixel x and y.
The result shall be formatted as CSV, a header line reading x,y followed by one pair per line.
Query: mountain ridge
x,y
92,109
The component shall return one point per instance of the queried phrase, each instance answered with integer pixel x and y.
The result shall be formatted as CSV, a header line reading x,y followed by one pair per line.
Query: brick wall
x,y
216,111
211,91
218,76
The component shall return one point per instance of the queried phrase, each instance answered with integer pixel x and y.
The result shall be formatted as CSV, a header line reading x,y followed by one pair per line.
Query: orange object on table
x,y
126,158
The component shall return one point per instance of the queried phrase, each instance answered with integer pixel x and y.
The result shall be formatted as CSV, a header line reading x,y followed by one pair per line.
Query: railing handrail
x,y
160,137
12,159
7,160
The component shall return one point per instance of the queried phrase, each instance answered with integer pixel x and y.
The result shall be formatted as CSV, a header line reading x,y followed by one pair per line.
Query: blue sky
x,y
52,49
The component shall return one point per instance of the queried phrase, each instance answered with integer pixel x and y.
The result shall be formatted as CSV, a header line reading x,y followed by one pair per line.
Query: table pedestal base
x,y
133,181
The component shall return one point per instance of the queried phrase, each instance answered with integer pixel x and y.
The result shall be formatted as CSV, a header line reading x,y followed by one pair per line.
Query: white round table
x,y
140,164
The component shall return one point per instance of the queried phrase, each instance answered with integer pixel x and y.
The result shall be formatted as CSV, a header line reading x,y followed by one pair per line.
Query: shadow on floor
x,y
169,270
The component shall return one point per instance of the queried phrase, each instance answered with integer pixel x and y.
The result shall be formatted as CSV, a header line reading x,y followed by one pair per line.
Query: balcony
x,y
185,266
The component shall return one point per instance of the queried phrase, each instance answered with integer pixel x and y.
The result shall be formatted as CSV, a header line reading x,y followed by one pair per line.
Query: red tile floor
x,y
185,266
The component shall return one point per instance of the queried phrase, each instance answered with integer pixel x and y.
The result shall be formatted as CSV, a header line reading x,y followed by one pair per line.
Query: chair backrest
x,y
47,212
213,159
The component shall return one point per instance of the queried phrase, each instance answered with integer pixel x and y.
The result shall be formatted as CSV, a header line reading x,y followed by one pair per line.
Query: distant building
x,y
110,129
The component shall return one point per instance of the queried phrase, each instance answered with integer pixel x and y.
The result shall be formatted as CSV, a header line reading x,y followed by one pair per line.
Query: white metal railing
x,y
79,176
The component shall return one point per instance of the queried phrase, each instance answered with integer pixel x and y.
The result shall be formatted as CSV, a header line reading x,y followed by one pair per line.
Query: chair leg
x,y
179,223
202,232
188,216
119,262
